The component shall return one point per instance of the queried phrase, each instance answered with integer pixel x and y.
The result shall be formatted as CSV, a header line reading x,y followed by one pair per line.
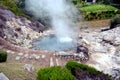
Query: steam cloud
x,y
60,12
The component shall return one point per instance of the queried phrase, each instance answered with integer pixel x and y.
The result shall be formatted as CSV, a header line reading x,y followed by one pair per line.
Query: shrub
x,y
3,56
74,65
98,11
84,70
115,21
55,73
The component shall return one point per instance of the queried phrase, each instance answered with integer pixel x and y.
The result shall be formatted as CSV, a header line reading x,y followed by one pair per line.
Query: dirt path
x,y
95,23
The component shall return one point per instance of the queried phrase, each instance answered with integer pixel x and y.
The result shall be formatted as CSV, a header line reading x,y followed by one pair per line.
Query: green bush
x,y
3,56
74,65
99,11
55,73
82,69
115,21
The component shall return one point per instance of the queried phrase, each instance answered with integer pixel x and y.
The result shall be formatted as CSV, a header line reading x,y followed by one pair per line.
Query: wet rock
x,y
3,76
29,67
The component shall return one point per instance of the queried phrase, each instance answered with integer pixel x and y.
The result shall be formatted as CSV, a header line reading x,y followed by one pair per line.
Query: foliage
x,y
74,65
17,6
98,11
82,69
115,21
79,3
55,73
3,56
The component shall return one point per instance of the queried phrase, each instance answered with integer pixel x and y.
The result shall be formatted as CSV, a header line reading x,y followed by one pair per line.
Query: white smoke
x,y
60,12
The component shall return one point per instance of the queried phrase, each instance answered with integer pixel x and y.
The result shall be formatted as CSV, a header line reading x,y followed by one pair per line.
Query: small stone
x,y
12,52
43,56
20,54
28,67
37,57
3,77
33,56
26,55
8,51
17,58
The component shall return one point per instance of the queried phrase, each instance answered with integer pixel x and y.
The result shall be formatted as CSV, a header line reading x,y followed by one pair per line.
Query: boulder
x,y
82,49
3,76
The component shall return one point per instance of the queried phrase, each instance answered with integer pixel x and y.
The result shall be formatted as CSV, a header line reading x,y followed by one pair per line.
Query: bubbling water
x,y
54,44
65,39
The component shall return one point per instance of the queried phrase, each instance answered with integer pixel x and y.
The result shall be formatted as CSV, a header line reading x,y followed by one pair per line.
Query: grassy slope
x,y
14,71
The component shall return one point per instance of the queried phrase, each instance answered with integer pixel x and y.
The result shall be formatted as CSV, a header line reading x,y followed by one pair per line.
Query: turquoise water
x,y
52,44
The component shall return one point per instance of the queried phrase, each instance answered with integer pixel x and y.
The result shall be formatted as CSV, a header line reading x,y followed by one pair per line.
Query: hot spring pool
x,y
52,43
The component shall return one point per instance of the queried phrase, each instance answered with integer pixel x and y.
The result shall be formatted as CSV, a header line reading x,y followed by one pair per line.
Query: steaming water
x,y
54,44
61,14
65,39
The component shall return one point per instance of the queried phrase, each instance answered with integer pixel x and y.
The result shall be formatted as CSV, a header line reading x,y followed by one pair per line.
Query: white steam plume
x,y
60,12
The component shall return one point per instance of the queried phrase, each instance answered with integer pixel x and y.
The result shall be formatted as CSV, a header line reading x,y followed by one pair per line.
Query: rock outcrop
x,y
18,30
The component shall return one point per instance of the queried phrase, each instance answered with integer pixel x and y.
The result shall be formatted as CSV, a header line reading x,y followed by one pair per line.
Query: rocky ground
x,y
104,50
18,30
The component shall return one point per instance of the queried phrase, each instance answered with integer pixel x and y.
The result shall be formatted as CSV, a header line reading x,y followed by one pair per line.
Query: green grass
x,y
14,71
98,7
99,11
12,5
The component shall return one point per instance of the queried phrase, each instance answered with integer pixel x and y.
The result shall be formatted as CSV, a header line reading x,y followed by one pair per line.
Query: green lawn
x,y
14,71
99,11
98,7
